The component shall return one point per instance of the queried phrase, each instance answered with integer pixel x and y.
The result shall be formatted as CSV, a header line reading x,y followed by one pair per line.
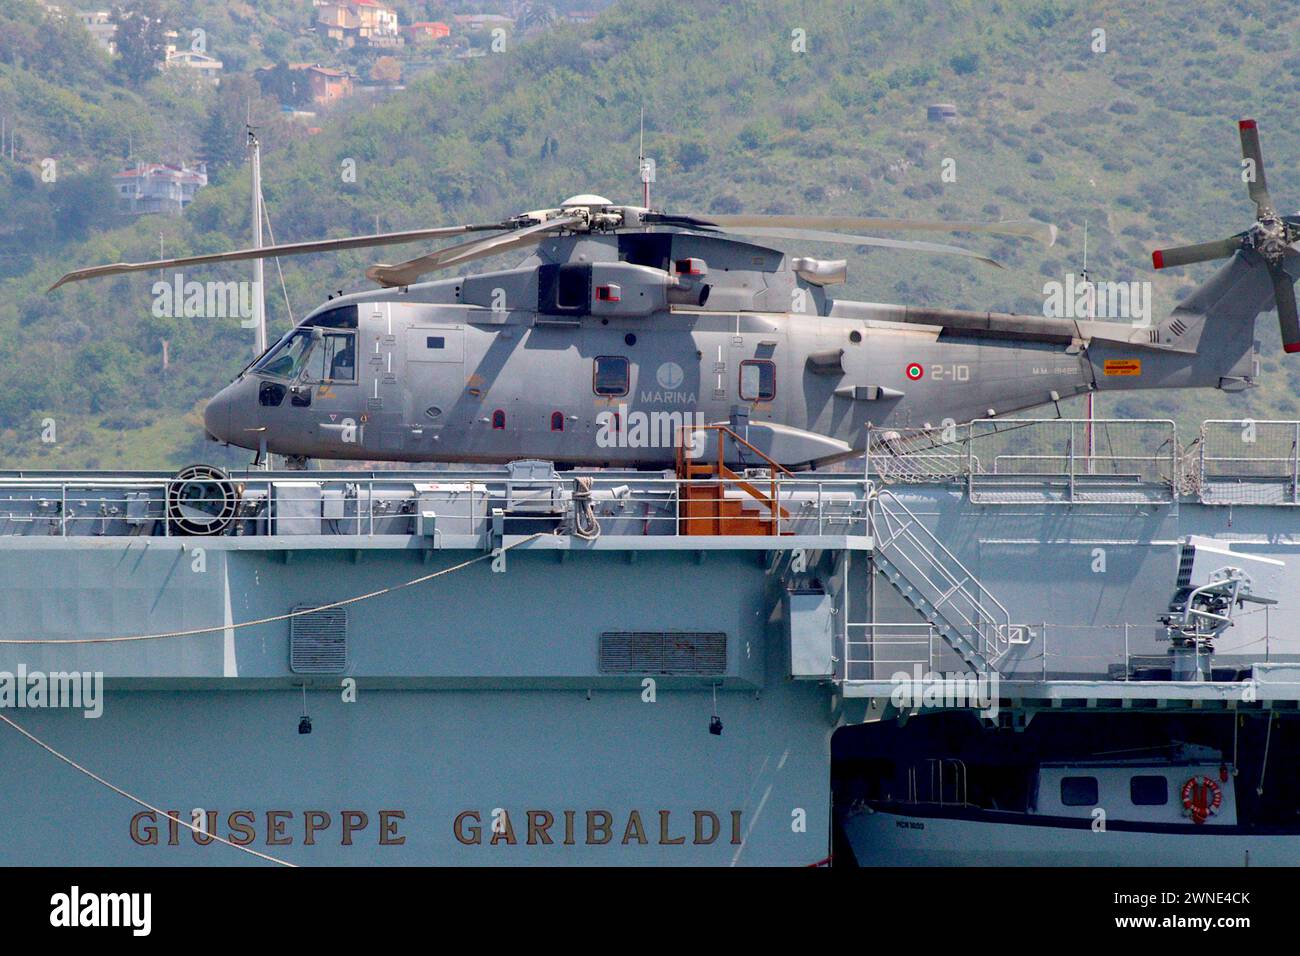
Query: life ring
x,y
1201,798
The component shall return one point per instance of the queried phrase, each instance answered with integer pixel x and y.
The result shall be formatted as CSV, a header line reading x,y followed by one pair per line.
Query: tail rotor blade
x,y
1256,184
1287,315
1202,252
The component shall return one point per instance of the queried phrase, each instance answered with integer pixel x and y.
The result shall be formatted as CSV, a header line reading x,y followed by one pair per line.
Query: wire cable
x,y
274,618
134,799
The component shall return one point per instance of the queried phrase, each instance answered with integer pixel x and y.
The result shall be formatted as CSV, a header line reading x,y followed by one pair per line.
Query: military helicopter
x,y
626,326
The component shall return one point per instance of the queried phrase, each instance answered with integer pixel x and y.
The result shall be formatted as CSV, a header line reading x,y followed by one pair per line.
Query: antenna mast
x,y
259,304
642,168
1090,299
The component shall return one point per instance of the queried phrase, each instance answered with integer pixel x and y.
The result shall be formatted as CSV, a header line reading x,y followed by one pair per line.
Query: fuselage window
x,y
757,380
270,394
1148,791
557,421
1079,791
498,420
610,375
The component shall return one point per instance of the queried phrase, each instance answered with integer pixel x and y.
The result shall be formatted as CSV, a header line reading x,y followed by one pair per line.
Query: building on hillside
x,y
298,84
352,23
158,187
581,16
426,31
941,113
473,22
101,27
204,66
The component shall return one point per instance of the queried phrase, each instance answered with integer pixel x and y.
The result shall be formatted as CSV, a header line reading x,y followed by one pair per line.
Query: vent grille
x,y
663,652
1185,561
318,642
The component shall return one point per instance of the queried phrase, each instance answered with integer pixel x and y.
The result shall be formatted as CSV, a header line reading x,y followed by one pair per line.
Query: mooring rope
x,y
274,618
134,799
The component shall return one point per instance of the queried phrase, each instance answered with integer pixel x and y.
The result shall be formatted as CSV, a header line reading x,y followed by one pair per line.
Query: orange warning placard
x,y
1123,367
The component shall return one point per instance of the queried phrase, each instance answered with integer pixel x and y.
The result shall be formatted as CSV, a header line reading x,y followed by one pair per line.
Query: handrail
x,y
723,473
74,507
992,631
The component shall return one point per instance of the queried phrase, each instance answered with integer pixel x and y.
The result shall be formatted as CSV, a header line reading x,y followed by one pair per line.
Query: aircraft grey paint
x,y
503,368
627,325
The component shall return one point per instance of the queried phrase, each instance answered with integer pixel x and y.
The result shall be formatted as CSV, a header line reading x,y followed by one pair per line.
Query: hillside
x,y
1139,141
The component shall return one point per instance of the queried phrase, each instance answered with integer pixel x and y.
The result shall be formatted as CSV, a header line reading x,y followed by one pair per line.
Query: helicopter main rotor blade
x,y
1256,184
1031,228
1288,317
818,235
285,249
1201,252
406,273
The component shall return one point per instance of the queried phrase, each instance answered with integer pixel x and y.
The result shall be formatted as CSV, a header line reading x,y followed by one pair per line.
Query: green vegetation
x,y
1139,141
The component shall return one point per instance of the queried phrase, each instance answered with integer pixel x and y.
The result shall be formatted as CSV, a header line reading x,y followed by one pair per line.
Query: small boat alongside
x,y
1180,808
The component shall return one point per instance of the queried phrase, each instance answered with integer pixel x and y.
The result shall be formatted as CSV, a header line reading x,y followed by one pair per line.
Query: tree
x,y
386,69
81,200
141,43
225,134
538,16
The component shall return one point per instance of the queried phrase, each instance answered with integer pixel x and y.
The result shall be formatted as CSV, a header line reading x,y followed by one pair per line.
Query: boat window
x,y
1150,791
610,376
333,359
286,360
757,380
1079,791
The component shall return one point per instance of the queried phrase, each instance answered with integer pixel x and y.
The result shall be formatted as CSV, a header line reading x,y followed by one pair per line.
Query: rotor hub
x,y
1271,237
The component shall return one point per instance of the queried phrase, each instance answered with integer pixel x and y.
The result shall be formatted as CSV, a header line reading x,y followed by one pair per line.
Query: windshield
x,y
286,360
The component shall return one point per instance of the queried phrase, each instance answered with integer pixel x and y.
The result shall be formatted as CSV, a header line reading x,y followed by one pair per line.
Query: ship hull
x,y
882,838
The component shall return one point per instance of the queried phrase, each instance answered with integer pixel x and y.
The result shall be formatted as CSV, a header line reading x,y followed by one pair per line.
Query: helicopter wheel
x,y
201,500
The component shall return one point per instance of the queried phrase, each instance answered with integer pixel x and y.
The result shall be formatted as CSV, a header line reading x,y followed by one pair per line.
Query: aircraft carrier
x,y
519,665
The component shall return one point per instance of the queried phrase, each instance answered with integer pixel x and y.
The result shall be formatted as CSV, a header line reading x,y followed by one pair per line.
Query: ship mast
x,y
642,168
259,303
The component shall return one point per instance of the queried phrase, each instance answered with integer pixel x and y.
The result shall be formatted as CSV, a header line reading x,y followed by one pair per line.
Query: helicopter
x,y
625,328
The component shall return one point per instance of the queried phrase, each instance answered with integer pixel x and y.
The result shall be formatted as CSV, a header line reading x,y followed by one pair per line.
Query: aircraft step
x,y
707,510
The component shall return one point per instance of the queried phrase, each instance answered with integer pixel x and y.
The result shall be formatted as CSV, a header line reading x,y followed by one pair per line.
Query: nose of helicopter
x,y
217,414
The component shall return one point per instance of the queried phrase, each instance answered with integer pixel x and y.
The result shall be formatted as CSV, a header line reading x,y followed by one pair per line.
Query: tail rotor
x,y
1272,238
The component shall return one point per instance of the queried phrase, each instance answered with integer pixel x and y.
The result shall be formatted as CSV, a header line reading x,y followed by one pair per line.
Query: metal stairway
x,y
932,580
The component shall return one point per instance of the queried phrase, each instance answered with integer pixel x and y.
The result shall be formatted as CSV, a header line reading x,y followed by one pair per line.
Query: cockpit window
x,y
329,358
286,359
333,359
344,317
